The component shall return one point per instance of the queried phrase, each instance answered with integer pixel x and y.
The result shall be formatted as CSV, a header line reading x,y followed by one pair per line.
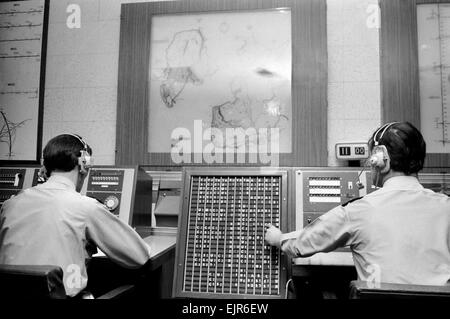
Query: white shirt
x,y
50,224
400,233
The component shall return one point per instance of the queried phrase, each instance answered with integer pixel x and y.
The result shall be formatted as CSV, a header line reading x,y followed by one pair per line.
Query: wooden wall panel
x,y
400,98
400,95
132,93
309,77
309,85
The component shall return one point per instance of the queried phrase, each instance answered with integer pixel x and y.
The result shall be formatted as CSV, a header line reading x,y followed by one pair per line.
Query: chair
x,y
42,282
364,290
26,281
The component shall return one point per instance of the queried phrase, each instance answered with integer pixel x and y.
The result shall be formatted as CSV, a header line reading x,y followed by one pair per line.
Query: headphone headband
x,y
380,155
85,146
385,127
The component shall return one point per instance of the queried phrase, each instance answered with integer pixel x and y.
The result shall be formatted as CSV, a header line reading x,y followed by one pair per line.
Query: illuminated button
x,y
111,202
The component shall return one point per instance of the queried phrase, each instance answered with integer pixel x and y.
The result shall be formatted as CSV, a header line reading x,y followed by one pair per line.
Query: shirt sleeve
x,y
326,233
115,238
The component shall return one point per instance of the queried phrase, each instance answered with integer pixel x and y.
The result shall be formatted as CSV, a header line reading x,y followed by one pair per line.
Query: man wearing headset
x,y
53,224
402,230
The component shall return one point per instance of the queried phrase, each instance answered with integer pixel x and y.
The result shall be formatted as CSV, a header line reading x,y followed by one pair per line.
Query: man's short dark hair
x,y
405,145
62,153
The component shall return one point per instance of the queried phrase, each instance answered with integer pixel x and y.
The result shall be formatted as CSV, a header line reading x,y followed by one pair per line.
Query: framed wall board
x,y
23,43
183,77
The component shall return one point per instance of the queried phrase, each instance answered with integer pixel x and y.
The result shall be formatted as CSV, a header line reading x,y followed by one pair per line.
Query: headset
x,y
380,155
85,160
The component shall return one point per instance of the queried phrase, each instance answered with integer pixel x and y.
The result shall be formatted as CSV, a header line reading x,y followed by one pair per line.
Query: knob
x,y
111,202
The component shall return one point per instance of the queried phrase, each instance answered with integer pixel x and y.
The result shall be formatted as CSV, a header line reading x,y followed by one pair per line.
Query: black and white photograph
x,y
225,158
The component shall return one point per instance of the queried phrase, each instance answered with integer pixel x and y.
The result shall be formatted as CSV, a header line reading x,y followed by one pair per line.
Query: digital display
x,y
360,151
344,150
352,151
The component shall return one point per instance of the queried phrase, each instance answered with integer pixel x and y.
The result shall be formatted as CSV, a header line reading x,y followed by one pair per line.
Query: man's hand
x,y
273,236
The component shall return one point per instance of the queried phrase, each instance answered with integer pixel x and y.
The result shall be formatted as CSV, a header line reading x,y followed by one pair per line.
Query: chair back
x,y
27,281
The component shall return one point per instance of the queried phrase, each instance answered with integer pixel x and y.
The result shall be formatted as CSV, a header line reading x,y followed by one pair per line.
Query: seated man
x,y
53,224
397,234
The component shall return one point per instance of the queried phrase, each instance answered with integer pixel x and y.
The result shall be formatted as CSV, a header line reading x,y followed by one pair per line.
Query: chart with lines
x,y
433,32
223,250
21,42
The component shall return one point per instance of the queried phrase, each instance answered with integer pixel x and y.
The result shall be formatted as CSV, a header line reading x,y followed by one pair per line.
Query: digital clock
x,y
352,151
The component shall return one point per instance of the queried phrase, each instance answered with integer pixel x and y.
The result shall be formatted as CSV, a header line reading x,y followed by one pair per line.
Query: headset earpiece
x,y
42,175
380,158
84,160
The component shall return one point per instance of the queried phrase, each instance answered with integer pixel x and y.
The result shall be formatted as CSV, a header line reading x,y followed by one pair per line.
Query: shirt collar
x,y
402,182
60,181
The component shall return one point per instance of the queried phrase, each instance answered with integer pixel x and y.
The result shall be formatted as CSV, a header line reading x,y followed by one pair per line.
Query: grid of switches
x,y
225,249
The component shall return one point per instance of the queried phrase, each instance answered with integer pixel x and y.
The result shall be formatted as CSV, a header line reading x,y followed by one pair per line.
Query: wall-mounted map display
x,y
21,41
433,30
221,71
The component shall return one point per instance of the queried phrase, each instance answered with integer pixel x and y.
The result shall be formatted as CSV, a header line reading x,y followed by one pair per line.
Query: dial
x,y
111,202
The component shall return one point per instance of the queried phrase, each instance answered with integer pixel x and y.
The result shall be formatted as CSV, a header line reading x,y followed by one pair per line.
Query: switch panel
x,y
221,251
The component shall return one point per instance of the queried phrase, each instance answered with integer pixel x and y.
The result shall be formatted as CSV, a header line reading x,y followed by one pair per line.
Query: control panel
x,y
106,186
221,251
318,190
125,191
14,179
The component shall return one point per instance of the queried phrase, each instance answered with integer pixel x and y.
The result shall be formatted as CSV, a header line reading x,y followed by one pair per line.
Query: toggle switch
x,y
17,179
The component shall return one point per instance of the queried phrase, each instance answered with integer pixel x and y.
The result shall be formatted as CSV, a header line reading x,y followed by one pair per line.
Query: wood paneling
x,y
309,77
132,93
400,96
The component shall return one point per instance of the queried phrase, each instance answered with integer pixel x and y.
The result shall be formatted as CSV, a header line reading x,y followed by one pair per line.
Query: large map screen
x,y
210,72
